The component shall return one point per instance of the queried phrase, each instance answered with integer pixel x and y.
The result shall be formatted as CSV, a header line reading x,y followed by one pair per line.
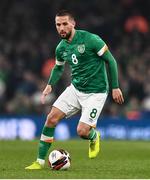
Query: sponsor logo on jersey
x,y
81,48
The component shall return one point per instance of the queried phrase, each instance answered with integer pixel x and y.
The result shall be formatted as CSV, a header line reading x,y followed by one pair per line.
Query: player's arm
x,y
108,57
116,92
53,79
101,49
55,75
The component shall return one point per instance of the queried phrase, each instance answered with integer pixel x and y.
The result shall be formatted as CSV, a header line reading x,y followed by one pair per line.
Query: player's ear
x,y
73,22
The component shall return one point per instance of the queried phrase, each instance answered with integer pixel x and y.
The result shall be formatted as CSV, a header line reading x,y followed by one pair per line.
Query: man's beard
x,y
67,36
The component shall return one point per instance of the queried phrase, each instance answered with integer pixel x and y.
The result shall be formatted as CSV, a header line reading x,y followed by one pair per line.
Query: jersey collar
x,y
73,39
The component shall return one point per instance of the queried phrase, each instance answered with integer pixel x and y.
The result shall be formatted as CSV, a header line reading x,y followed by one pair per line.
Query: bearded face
x,y
64,26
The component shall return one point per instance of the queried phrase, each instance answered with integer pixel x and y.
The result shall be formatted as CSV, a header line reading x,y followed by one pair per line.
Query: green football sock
x,y
45,141
92,134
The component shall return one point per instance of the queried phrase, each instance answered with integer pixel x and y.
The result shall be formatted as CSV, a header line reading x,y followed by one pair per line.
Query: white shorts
x,y
91,104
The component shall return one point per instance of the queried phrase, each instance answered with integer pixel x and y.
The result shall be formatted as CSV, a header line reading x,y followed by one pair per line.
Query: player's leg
x,y
47,135
46,139
85,131
66,105
91,108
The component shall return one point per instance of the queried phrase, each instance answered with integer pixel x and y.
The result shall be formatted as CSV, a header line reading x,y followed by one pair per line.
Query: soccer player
x,y
87,55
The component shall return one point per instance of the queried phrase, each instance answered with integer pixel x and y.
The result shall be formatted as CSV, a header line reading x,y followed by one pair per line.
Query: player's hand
x,y
117,96
46,91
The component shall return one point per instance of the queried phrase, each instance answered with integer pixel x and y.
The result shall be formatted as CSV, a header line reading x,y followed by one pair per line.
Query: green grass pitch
x,y
117,160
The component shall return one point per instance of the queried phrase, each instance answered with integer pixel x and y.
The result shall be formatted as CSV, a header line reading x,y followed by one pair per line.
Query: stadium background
x,y
27,45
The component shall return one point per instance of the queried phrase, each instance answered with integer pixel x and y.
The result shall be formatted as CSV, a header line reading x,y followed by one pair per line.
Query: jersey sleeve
x,y
98,45
59,60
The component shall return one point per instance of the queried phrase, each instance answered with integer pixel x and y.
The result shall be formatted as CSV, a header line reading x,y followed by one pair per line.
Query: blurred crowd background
x,y
28,39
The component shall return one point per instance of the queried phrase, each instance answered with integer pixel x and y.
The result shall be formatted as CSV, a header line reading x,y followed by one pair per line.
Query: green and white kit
x,y
87,55
90,104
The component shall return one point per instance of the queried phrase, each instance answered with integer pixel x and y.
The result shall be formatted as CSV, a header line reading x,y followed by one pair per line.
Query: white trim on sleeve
x,y
102,50
60,63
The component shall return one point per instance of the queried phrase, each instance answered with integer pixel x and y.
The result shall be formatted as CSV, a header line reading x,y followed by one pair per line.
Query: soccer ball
x,y
59,159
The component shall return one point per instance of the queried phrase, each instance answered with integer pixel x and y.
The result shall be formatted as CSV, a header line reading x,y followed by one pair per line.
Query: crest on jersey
x,y
81,48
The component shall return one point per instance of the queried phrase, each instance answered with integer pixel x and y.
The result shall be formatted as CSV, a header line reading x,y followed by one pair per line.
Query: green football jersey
x,y
83,54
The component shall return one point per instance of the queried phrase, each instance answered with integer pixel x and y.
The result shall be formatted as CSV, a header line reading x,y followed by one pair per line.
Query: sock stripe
x,y
46,138
45,141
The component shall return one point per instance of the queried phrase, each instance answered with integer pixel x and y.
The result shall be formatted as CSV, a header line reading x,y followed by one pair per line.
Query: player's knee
x,y
82,132
52,120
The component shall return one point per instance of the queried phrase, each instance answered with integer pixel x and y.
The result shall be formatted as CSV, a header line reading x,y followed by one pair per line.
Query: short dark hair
x,y
64,12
